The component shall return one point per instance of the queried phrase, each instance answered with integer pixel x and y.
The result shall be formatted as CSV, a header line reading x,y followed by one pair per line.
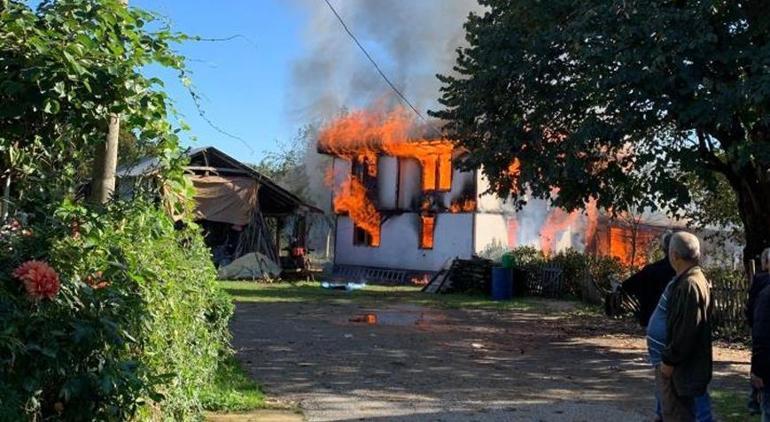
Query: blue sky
x,y
244,81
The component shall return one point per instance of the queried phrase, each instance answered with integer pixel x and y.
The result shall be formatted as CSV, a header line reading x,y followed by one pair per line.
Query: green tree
x,y
616,100
65,66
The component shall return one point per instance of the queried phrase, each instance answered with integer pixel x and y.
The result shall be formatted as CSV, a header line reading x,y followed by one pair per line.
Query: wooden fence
x,y
729,292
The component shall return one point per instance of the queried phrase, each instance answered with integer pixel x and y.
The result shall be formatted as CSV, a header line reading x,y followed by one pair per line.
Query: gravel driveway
x,y
426,364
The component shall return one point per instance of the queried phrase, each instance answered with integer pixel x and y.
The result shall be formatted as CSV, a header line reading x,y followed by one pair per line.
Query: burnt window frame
x,y
362,238
420,244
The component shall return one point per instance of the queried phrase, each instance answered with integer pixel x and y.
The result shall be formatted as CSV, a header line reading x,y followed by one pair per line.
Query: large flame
x,y
363,135
353,200
631,245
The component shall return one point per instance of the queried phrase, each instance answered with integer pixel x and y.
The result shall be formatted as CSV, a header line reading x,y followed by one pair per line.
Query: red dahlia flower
x,y
40,280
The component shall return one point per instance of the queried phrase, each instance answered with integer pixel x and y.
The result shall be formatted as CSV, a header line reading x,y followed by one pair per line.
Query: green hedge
x,y
136,330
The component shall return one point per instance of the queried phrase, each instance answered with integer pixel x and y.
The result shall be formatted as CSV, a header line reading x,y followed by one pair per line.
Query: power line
x,y
379,70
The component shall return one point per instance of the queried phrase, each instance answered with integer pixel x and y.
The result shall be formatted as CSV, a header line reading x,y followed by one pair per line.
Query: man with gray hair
x,y
686,367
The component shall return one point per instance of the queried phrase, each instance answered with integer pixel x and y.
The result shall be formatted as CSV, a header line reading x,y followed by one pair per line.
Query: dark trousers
x,y
675,408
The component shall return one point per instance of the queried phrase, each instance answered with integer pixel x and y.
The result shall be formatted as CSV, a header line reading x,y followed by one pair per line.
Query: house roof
x,y
273,199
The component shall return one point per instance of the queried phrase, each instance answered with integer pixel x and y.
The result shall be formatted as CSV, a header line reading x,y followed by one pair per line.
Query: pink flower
x,y
40,280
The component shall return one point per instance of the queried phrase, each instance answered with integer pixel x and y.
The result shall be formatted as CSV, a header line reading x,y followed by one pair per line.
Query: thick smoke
x,y
411,40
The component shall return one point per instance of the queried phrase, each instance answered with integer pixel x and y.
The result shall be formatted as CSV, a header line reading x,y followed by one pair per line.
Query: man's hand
x,y
757,381
666,370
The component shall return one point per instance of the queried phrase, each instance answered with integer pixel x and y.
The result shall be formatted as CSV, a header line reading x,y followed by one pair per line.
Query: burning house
x,y
401,204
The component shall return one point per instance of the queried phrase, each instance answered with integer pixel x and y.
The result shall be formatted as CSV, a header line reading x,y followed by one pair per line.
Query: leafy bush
x,y
583,275
139,318
127,318
524,256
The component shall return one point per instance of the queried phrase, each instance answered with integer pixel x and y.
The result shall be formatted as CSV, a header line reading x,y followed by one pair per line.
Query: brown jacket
x,y
688,328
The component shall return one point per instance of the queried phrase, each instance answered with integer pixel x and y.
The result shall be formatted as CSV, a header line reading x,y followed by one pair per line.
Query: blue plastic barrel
x,y
502,283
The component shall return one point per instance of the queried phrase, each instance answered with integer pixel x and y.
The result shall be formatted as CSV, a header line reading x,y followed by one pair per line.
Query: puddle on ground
x,y
399,317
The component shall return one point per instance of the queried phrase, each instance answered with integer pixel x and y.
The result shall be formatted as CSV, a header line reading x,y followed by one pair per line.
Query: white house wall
x,y
387,183
399,244
410,184
491,232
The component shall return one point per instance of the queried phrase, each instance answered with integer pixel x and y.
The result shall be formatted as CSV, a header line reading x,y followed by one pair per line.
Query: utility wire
x,y
379,70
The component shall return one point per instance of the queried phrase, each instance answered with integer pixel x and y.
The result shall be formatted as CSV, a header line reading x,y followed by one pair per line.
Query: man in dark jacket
x,y
687,358
648,284
758,284
760,350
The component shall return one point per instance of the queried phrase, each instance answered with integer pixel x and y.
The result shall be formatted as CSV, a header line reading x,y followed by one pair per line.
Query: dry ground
x,y
422,363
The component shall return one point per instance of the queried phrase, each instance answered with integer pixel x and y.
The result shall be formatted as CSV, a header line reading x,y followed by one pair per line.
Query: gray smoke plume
x,y
411,40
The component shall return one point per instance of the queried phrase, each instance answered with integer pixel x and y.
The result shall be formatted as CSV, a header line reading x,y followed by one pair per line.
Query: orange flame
x,y
365,135
630,248
514,172
353,200
428,223
463,205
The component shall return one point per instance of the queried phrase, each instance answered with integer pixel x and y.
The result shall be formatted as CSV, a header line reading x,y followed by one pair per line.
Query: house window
x,y
427,228
363,238
365,170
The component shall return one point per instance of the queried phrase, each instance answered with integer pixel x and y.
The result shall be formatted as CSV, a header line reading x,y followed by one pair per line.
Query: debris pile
x,y
462,276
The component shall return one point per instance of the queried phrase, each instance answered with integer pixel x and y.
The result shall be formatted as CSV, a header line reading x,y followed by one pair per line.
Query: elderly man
x,y
686,367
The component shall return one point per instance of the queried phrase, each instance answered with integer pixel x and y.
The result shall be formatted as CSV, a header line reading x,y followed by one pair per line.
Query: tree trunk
x,y
106,159
106,163
754,208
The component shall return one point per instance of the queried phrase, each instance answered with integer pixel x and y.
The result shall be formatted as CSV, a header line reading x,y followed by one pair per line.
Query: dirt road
x,y
426,364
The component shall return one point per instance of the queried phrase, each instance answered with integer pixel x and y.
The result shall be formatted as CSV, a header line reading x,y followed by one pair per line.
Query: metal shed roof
x,y
273,199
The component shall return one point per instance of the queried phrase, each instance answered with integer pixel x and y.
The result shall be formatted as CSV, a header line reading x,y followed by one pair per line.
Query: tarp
x,y
252,266
225,199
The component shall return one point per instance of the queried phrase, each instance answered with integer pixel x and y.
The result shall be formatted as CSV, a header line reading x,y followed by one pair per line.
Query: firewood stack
x,y
463,276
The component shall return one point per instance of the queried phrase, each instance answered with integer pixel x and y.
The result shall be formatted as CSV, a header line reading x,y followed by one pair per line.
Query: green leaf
x,y
51,106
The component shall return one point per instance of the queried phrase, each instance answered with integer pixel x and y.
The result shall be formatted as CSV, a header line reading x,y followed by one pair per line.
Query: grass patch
x,y
232,390
254,292
731,406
